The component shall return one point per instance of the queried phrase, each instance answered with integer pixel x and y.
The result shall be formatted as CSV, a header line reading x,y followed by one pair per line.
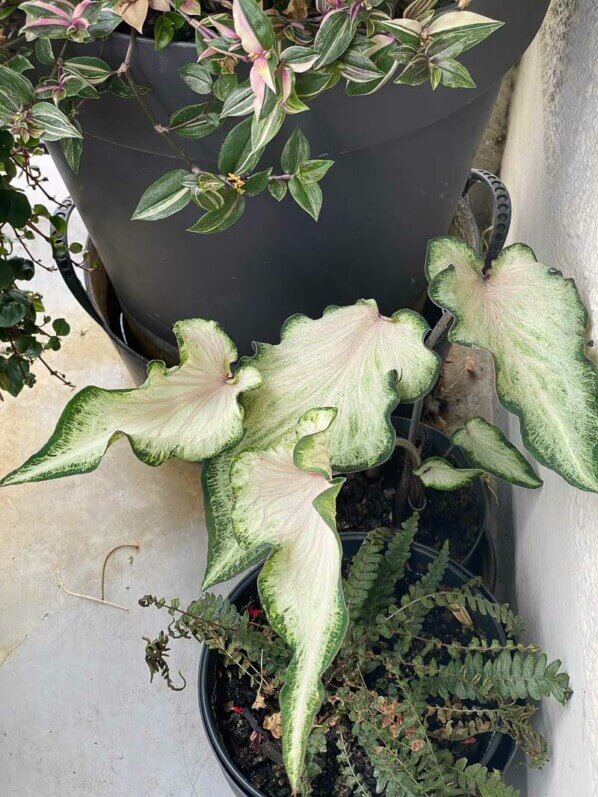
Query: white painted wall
x,y
551,168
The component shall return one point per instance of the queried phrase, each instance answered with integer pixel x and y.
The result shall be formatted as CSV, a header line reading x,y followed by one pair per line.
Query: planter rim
x,y
207,656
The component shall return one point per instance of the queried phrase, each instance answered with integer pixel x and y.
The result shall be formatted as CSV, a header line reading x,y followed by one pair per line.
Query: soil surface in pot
x,y
366,502
242,715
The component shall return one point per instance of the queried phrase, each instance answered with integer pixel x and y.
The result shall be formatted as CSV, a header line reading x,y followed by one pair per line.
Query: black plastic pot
x,y
500,750
402,158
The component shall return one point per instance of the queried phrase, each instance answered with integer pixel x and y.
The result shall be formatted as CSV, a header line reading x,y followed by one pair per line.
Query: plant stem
x,y
125,69
402,489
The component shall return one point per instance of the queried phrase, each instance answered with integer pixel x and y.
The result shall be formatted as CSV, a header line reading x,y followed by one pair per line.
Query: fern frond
x,y
364,571
392,568
478,780
508,676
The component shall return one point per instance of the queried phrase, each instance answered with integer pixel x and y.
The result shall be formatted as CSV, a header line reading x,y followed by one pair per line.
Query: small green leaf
x,y
313,171
14,207
197,77
53,122
358,68
263,130
61,327
15,89
122,89
166,196
194,121
163,32
334,35
439,474
43,52
11,312
93,70
239,102
415,73
453,74
307,195
72,149
7,274
224,86
295,152
236,155
223,218
257,182
6,144
278,189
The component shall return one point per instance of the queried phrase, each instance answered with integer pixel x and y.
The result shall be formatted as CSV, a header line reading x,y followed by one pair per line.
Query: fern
x,y
348,772
392,569
509,676
477,779
364,571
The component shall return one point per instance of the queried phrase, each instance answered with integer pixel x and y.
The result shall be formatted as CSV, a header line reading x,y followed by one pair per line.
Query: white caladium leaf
x,y
190,411
352,358
439,474
533,322
486,447
285,497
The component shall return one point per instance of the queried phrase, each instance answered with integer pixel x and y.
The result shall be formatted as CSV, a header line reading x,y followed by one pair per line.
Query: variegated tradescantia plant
x,y
260,60
274,430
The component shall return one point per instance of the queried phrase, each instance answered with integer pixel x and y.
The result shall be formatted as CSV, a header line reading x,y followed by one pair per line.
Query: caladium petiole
x,y
284,497
191,411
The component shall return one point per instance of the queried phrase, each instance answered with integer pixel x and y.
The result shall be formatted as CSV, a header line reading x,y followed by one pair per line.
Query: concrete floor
x,y
79,716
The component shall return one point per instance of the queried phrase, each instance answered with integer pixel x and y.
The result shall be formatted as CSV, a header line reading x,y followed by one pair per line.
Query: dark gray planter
x,y
402,158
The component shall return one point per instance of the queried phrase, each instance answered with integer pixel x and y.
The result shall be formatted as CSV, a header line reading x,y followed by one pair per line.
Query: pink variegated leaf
x,y
287,79
264,68
253,27
259,89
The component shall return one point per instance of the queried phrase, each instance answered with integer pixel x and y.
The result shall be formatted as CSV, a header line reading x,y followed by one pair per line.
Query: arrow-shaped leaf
x,y
285,498
439,474
190,411
486,447
532,320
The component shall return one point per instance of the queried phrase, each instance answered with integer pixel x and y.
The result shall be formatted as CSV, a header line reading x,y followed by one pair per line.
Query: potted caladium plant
x,y
190,117
277,432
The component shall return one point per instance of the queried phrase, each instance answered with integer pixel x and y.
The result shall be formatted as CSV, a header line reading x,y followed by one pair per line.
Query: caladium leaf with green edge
x,y
439,474
190,411
533,322
486,447
166,196
285,498
352,358
334,35
53,124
